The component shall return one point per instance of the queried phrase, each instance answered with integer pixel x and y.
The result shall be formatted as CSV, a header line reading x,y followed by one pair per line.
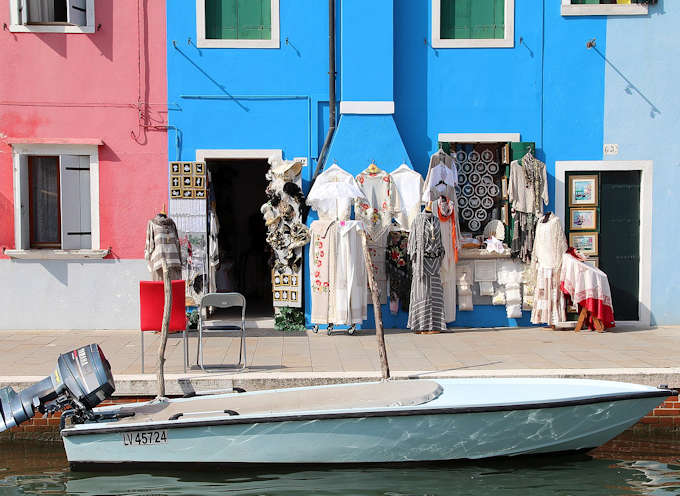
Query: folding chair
x,y
221,300
151,303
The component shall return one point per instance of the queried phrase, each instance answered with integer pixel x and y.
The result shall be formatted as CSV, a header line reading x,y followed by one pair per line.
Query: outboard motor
x,y
81,380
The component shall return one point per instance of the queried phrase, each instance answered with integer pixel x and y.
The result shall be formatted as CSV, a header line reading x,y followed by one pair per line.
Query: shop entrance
x,y
611,225
236,190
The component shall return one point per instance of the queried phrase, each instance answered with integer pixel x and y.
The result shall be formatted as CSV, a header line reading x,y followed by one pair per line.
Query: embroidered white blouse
x,y
333,193
408,184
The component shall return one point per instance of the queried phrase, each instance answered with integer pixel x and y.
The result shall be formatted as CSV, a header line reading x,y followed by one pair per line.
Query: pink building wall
x,y
83,86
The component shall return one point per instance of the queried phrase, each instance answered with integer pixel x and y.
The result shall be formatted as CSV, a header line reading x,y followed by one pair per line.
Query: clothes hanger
x,y
546,216
372,168
163,212
428,207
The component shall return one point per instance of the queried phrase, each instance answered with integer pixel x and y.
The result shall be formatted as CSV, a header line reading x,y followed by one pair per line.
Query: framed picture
x,y
583,219
585,242
583,190
199,168
175,168
186,168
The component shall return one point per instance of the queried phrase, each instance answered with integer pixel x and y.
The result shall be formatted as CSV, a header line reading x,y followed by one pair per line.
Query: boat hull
x,y
411,435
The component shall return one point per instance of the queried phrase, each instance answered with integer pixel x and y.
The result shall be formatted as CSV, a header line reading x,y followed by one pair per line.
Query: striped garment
x,y
162,243
426,309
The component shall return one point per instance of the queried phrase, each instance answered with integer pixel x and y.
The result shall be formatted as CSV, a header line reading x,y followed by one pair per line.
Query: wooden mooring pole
x,y
377,311
167,306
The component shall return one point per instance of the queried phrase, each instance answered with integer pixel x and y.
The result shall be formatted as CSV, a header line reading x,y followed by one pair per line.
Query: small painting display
x,y
286,289
187,180
586,243
583,219
583,190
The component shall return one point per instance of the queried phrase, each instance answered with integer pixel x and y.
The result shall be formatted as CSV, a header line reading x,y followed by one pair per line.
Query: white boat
x,y
390,421
382,422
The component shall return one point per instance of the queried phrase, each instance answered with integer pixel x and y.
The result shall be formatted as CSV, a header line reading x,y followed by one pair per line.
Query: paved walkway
x,y
34,353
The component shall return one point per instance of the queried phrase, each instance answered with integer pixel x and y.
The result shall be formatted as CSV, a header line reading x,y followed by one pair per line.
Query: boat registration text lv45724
x,y
144,438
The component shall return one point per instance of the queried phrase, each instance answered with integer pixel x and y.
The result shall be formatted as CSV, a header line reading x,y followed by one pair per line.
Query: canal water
x,y
631,466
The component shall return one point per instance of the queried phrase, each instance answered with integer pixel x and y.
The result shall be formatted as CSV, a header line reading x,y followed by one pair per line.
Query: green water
x,y
638,468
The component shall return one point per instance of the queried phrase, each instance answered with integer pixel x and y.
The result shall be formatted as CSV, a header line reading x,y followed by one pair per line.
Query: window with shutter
x,y
238,19
472,23
52,16
472,19
237,23
605,7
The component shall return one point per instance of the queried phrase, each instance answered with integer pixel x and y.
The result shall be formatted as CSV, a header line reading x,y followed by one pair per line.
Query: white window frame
x,y
508,41
203,42
16,26
611,9
20,153
646,168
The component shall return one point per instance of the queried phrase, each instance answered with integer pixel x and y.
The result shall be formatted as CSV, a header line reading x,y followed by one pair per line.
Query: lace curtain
x,y
44,185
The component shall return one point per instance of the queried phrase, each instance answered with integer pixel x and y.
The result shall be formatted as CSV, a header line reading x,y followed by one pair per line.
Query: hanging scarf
x,y
533,172
446,212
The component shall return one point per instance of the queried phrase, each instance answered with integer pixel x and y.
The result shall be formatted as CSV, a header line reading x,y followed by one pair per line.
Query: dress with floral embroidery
x,y
376,211
322,269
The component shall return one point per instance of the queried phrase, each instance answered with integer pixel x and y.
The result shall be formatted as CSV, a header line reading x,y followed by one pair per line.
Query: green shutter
x,y
220,19
472,19
254,19
238,19
447,19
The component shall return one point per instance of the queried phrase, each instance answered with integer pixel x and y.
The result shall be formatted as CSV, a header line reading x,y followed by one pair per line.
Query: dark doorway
x,y
238,190
620,240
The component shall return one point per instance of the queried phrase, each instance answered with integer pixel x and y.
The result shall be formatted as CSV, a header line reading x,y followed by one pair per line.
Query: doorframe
x,y
203,155
646,168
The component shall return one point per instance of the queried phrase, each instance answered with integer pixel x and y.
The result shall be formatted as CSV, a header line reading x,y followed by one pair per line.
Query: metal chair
x,y
221,300
151,303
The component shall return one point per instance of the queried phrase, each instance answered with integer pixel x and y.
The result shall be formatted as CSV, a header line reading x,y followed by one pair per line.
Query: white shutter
x,y
75,202
76,12
20,11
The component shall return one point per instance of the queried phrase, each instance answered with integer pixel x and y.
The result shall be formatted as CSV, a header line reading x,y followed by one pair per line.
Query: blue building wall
x,y
642,105
548,87
249,98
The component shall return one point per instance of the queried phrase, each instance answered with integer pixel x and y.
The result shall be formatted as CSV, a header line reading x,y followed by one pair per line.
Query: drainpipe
x,y
331,93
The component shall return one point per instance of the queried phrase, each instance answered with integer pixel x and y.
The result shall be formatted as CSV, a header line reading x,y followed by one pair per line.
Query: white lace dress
x,y
549,246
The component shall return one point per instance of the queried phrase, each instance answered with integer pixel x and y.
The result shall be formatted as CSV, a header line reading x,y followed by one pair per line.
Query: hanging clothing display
x,y
286,234
333,193
322,259
376,210
527,192
162,243
549,246
214,253
442,177
426,309
446,214
398,270
409,187
351,278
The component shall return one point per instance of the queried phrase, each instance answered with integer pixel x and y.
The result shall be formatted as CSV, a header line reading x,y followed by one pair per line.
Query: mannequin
x,y
162,243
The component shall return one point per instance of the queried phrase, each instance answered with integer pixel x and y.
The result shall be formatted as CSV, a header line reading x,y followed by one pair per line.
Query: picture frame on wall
x,y
583,190
583,219
585,242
